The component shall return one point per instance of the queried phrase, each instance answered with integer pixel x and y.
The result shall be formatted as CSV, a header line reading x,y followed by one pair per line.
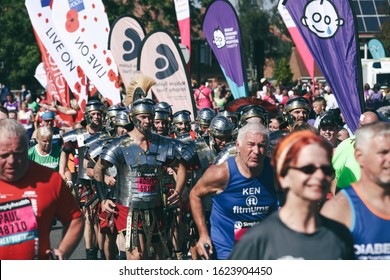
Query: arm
x,y
180,179
101,166
36,121
64,170
66,111
213,181
72,234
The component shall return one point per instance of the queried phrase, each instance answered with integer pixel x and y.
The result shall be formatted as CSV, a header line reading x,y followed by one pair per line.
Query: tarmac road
x,y
55,238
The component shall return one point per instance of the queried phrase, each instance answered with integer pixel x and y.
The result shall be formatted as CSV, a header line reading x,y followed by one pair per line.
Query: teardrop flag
x,y
161,59
222,31
330,31
126,35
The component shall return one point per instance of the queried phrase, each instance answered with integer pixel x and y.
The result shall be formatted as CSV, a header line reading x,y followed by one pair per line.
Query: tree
x,y
282,73
258,40
384,35
19,53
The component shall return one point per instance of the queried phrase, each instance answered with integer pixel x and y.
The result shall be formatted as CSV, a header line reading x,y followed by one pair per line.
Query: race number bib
x,y
240,227
147,184
17,222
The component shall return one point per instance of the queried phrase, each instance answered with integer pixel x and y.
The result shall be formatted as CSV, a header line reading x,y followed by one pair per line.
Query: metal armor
x,y
79,136
230,150
96,142
205,154
139,171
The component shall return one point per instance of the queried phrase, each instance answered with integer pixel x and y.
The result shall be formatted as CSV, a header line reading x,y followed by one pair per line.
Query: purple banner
x,y
329,30
222,32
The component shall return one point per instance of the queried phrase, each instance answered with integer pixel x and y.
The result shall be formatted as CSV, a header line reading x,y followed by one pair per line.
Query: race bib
x,y
147,184
17,222
240,227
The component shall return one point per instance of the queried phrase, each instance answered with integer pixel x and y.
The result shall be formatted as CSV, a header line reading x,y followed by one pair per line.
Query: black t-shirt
x,y
272,240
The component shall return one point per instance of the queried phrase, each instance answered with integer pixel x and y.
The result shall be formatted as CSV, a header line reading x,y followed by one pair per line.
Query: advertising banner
x,y
84,28
182,8
161,59
300,44
125,39
39,12
330,32
222,31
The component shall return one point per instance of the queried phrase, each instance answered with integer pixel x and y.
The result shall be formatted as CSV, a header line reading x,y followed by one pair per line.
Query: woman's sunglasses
x,y
311,168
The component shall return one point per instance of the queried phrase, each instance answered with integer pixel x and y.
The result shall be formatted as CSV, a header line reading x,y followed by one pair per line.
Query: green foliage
x,y
257,39
19,52
384,35
282,73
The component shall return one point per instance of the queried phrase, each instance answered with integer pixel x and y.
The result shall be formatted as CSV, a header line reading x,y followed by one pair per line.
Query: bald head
x,y
368,118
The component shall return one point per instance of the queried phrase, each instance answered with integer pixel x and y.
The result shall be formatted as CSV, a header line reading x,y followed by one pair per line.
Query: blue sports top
x,y
370,229
244,203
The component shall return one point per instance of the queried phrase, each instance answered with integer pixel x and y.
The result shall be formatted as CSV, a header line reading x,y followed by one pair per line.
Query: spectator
x,y
26,117
204,97
331,102
328,129
48,119
11,104
343,161
364,207
302,163
274,123
342,135
32,104
4,92
374,100
319,105
36,195
220,99
44,152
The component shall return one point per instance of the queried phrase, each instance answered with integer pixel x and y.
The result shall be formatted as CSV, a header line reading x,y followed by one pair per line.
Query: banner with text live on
x,y
258,269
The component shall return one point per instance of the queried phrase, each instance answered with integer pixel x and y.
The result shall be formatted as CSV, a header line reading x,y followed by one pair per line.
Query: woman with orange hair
x,y
302,163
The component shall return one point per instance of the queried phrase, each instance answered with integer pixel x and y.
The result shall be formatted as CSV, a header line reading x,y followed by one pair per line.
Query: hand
x,y
170,171
173,198
108,206
204,247
109,180
55,254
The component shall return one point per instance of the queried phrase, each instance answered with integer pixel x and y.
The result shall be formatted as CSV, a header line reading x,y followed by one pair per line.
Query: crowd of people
x,y
143,182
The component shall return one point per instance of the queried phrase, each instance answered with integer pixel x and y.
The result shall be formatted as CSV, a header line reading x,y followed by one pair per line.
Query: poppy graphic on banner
x,y
222,31
40,15
84,29
161,58
329,29
126,35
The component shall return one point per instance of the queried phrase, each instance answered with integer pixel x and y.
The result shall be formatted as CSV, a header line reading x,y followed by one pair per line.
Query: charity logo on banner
x,y
84,28
182,8
222,31
300,44
41,19
125,38
161,59
330,32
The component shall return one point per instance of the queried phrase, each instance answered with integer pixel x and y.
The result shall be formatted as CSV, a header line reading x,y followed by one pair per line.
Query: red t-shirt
x,y
27,208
